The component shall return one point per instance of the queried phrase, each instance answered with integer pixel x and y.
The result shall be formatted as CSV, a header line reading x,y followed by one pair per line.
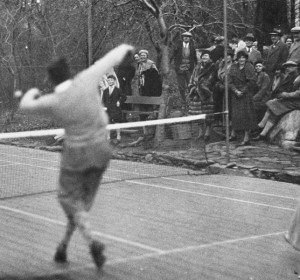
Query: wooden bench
x,y
163,105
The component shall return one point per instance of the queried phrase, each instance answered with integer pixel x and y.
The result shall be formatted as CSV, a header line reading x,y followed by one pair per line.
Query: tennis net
x,y
166,147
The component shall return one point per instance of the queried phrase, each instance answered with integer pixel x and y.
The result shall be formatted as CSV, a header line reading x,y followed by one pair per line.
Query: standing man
x,y
185,60
294,53
218,52
254,55
277,54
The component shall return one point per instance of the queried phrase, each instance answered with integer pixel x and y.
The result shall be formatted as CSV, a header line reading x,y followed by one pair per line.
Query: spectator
x,y
219,88
254,54
113,98
135,80
294,52
277,54
288,99
125,72
201,83
254,45
289,42
277,80
262,94
149,79
218,52
185,60
242,84
238,44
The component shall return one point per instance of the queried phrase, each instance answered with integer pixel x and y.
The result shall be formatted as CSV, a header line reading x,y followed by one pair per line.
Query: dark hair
x,y
258,62
59,71
205,52
111,77
240,54
230,52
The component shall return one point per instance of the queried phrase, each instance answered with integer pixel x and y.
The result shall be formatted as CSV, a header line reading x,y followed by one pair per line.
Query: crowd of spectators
x,y
263,86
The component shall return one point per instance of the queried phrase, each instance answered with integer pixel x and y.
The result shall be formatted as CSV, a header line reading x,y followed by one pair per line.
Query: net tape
x,y
53,132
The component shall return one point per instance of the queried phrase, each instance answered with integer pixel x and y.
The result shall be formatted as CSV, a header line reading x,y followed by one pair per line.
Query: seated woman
x,y
200,89
262,94
285,102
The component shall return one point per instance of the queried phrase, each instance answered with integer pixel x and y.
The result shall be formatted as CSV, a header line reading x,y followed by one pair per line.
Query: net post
x,y
226,81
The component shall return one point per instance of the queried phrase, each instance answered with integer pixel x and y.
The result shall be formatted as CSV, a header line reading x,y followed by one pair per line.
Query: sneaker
x,y
60,255
96,249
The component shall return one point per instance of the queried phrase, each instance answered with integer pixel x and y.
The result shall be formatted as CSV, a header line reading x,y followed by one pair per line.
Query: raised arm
x,y
104,65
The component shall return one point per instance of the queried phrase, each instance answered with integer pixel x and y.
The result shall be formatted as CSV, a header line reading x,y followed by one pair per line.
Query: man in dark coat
x,y
218,52
277,54
185,60
112,99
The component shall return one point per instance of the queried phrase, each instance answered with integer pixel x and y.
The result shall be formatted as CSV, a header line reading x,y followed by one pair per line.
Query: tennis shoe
x,y
60,255
96,249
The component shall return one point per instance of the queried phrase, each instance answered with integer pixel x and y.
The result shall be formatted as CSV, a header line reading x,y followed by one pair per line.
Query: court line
x,y
228,188
107,236
209,185
209,195
174,251
26,164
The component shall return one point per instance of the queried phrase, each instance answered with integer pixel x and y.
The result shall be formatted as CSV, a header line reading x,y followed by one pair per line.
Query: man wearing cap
x,y
294,53
254,55
277,54
218,52
185,60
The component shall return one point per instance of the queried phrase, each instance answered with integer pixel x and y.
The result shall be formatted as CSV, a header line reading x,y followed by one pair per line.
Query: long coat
x,y
294,53
243,115
110,102
200,86
277,55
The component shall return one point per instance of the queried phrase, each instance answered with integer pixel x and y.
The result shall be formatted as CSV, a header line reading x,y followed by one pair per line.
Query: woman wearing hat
x,y
288,99
200,90
242,83
149,79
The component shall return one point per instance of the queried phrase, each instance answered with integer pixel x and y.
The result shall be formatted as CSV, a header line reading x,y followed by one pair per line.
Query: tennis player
x,y
75,103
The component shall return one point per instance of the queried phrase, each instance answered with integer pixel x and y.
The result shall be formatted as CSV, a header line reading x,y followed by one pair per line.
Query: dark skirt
x,y
243,114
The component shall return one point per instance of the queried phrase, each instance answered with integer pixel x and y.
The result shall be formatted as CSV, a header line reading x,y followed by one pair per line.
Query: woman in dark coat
x,y
242,85
200,90
285,102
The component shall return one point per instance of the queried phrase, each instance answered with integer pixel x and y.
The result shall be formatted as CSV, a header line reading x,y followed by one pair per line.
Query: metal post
x,y
90,41
226,82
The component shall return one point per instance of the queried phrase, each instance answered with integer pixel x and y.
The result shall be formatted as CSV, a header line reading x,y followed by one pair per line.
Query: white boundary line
x,y
107,236
173,251
209,195
228,188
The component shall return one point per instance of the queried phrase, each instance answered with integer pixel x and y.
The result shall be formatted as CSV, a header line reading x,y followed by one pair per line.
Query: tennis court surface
x,y
157,223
